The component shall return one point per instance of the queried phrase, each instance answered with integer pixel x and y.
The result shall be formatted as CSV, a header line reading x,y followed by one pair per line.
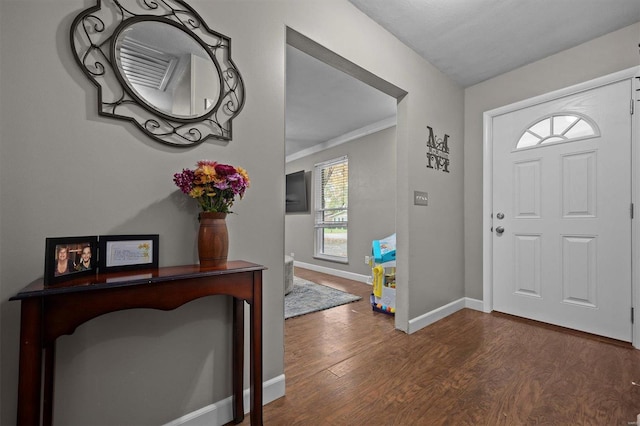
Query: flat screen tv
x,y
296,195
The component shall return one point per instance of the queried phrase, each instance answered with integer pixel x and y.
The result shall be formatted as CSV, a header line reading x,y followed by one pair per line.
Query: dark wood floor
x,y
349,366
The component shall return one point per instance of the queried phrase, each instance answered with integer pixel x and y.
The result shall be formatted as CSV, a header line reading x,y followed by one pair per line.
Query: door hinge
x,y
632,106
631,315
631,210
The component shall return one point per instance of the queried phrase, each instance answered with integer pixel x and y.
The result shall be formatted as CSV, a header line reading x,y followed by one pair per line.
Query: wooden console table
x,y
49,312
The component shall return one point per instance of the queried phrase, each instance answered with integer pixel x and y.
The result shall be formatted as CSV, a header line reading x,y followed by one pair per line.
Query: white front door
x,y
561,211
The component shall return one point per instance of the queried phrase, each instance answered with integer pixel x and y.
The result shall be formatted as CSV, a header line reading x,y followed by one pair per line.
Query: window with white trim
x,y
331,188
558,128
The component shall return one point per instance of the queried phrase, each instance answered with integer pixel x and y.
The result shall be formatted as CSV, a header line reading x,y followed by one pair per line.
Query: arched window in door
x,y
558,128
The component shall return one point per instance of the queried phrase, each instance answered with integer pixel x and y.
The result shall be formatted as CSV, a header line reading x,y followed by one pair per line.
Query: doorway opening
x,y
338,111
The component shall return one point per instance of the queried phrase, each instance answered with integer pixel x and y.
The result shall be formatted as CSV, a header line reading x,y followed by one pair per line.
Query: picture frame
x,y
128,252
67,258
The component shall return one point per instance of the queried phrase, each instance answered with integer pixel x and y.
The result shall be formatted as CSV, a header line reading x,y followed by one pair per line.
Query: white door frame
x,y
487,185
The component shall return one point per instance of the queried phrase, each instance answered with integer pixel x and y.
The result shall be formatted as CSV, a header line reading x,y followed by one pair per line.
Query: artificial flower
x,y
215,186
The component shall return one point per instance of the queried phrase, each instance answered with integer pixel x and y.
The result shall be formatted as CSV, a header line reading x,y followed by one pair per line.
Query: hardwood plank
x,y
349,366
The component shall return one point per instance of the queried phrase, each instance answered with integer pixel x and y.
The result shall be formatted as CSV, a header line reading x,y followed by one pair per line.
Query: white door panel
x,y
565,254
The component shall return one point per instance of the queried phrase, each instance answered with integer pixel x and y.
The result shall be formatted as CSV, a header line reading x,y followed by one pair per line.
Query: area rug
x,y
307,297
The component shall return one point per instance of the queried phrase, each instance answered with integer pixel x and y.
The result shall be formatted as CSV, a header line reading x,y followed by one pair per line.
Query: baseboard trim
x,y
442,312
221,412
475,304
338,273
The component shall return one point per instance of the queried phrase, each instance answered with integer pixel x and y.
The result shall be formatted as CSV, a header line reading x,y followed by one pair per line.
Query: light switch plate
x,y
420,198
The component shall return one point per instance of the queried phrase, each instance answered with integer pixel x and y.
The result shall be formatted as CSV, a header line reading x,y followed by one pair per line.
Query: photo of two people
x,y
68,258
72,258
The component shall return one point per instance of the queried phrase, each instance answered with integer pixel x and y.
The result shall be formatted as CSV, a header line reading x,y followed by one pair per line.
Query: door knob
x,y
499,230
500,215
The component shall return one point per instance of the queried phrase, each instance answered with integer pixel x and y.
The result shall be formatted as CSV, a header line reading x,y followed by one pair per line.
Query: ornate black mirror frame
x,y
94,34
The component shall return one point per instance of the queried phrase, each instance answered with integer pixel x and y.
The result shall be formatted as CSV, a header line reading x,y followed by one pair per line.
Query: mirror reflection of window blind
x,y
146,66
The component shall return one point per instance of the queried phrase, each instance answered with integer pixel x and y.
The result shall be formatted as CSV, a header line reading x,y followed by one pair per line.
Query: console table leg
x,y
256,351
238,360
30,369
49,378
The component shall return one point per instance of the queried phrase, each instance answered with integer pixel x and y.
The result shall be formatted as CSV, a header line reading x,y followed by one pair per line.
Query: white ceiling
x,y
324,103
474,40
469,40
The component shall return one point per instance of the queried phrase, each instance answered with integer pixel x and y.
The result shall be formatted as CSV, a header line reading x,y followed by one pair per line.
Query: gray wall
x,y
372,192
607,54
66,171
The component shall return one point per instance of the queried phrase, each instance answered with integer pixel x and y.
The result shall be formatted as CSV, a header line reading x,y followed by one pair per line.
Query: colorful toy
x,y
384,250
383,297
378,278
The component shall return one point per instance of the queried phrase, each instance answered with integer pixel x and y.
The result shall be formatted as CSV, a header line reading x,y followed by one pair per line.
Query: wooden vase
x,y
213,239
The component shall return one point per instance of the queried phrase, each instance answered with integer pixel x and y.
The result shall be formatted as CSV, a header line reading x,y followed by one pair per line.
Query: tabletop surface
x,y
132,278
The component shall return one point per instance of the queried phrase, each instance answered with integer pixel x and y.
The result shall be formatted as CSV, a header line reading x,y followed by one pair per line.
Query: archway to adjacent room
x,y
298,44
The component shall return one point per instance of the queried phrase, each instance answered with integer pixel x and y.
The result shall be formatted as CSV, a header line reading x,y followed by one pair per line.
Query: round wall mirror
x,y
167,69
